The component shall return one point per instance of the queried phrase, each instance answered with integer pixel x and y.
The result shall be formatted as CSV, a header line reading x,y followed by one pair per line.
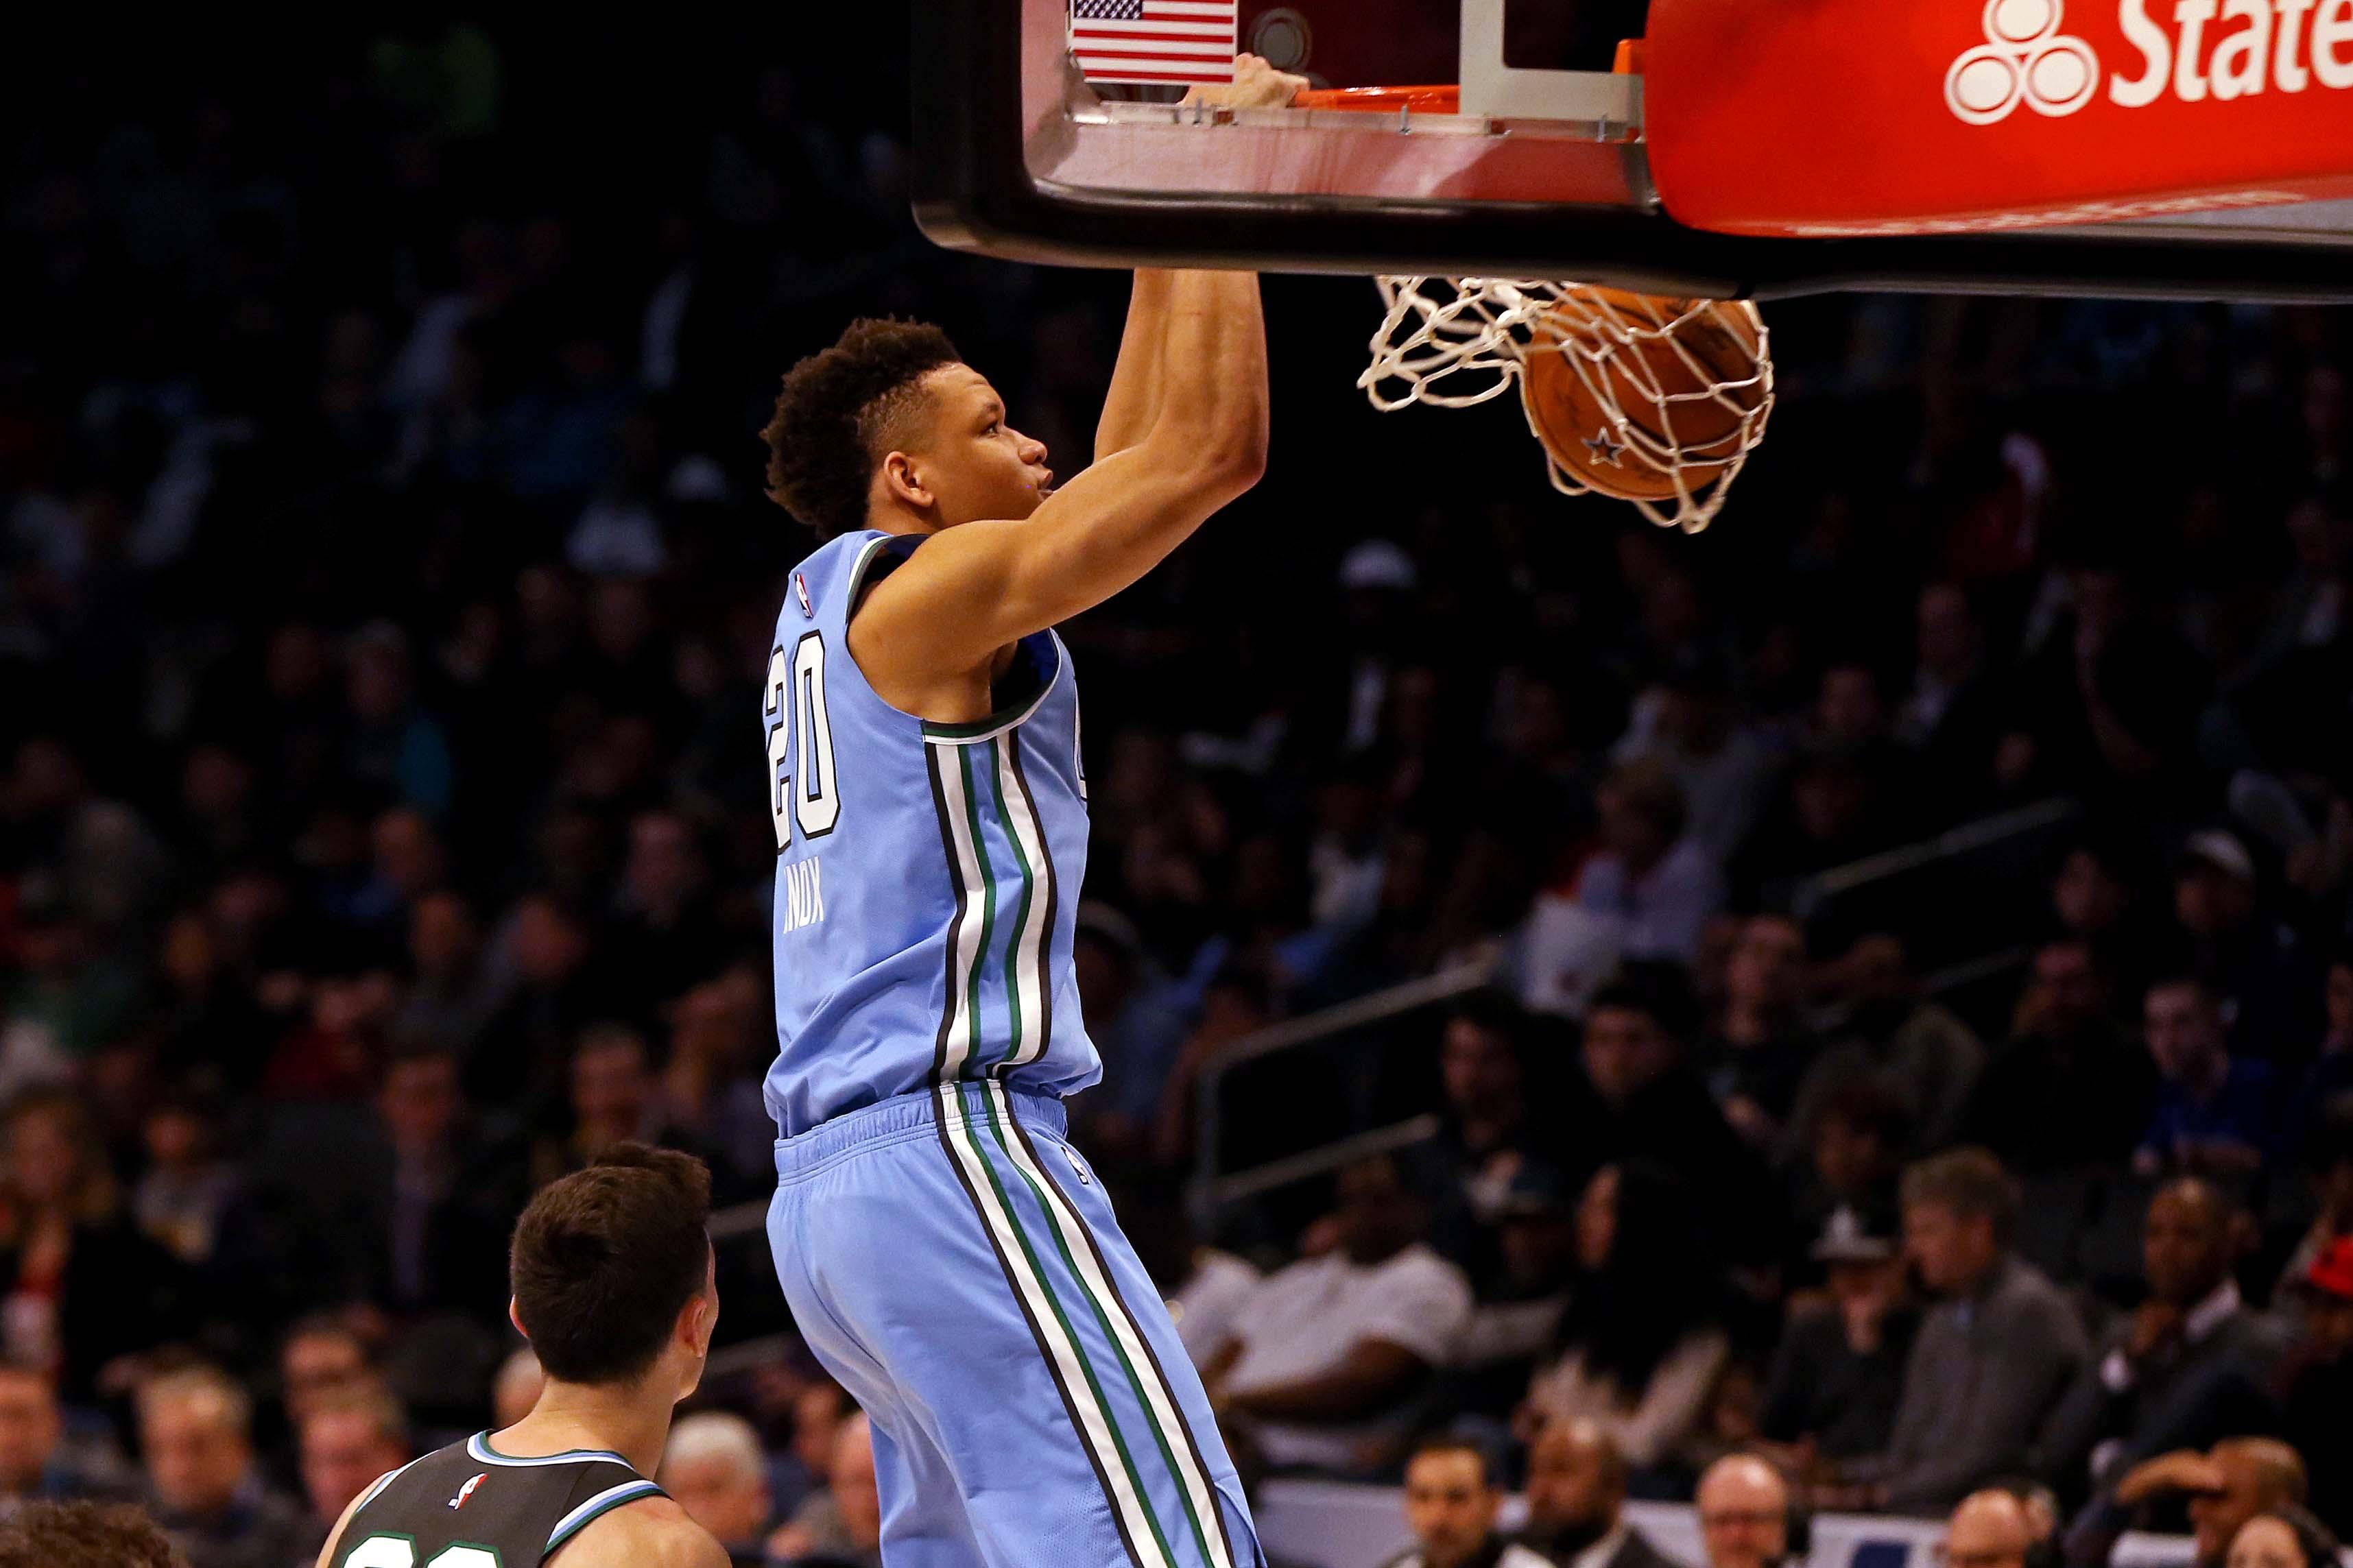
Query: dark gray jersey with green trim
x,y
469,1505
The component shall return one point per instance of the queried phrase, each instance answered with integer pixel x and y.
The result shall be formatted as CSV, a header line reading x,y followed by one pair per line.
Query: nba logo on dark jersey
x,y
468,1490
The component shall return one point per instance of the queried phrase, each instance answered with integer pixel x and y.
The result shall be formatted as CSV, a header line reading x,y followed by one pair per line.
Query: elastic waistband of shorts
x,y
904,1117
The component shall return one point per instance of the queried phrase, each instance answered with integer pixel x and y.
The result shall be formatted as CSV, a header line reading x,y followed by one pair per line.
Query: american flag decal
x,y
1176,41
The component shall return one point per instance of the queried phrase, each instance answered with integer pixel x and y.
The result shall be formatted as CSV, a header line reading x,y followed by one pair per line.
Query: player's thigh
x,y
981,1276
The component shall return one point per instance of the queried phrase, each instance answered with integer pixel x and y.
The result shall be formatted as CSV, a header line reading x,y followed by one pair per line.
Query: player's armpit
x,y
652,1533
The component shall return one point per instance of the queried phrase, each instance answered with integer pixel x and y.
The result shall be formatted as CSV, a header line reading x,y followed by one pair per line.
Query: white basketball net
x,y
1454,342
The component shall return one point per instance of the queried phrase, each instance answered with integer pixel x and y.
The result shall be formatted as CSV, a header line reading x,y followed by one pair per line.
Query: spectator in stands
x,y
82,1289
2329,1080
348,1437
37,1463
1135,1021
1641,1343
2286,1537
1484,1139
2317,1382
2214,1112
1838,1372
2072,1089
321,1356
840,1527
516,1388
1991,1529
2186,1369
2251,962
1761,1045
1854,1157
1649,877
1577,1499
1924,1055
1637,1098
1516,1319
1327,1353
613,1099
714,1467
194,1435
188,1187
1994,1354
1724,767
449,998
1450,1502
1951,718
2228,1485
85,1535
1743,1513
2093,899
432,1229
1203,1285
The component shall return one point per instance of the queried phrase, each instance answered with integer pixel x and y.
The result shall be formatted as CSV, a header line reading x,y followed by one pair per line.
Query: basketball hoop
x,y
1653,401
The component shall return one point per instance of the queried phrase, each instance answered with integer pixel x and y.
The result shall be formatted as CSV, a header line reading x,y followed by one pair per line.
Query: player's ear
x,y
514,1316
903,484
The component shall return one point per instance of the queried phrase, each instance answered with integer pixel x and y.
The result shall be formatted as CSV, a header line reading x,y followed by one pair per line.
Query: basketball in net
x,y
1649,400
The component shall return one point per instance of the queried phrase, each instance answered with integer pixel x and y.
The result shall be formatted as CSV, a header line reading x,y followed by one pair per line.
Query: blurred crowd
x,y
385,591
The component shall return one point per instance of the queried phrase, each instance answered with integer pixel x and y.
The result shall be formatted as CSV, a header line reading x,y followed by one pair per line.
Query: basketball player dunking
x,y
948,1256
612,1278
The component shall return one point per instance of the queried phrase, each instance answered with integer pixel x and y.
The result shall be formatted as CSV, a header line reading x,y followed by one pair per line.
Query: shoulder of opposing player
x,y
654,1533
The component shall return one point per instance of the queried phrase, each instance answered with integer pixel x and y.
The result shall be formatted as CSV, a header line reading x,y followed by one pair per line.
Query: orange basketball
x,y
1602,345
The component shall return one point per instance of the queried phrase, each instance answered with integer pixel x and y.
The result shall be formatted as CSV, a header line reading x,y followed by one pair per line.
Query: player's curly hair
x,y
835,410
85,1535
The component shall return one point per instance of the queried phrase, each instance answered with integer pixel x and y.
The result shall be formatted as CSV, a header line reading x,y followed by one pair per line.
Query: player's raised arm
x,y
974,588
1134,402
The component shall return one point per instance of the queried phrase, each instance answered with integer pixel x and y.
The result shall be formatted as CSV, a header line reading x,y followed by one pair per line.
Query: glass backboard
x,y
1744,148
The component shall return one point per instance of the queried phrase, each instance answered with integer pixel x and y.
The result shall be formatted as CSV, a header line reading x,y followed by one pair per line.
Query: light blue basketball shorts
x,y
955,1265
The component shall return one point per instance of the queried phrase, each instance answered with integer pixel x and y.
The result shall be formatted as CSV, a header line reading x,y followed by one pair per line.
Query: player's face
x,y
974,463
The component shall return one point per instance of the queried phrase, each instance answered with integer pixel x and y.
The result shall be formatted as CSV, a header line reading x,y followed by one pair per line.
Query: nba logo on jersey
x,y
468,1490
800,592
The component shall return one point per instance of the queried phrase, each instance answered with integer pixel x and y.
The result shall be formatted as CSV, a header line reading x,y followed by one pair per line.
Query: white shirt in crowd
x,y
1306,1319
1648,1424
1205,1305
1662,914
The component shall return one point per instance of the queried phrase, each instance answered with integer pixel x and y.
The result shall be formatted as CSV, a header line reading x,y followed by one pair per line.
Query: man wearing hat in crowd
x,y
2317,1382
2265,980
1517,1310
1837,1374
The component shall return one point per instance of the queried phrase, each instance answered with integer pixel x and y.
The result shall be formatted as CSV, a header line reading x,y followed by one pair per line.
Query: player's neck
x,y
630,1420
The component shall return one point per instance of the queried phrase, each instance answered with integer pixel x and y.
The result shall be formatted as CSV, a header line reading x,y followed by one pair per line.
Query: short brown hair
x,y
1969,1182
605,1259
836,408
204,1388
373,1400
85,1535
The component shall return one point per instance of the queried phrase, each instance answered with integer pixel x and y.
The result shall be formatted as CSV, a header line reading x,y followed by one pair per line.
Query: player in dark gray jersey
x,y
611,1269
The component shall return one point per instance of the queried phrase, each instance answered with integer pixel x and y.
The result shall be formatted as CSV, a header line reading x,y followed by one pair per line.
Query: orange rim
x,y
1430,100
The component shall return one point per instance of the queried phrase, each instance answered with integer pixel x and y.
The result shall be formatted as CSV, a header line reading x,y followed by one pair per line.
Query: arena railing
x,y
1215,1189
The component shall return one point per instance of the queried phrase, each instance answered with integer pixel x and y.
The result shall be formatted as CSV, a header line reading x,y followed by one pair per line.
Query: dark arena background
x,y
1596,959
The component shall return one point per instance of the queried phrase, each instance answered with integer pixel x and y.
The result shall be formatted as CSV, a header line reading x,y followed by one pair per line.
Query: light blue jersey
x,y
948,1257
927,875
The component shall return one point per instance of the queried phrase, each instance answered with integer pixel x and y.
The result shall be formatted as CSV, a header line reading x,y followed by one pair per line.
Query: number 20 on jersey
x,y
801,786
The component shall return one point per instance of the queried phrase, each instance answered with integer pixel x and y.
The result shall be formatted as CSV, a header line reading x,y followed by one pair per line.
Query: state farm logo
x,y
2024,59
2218,51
